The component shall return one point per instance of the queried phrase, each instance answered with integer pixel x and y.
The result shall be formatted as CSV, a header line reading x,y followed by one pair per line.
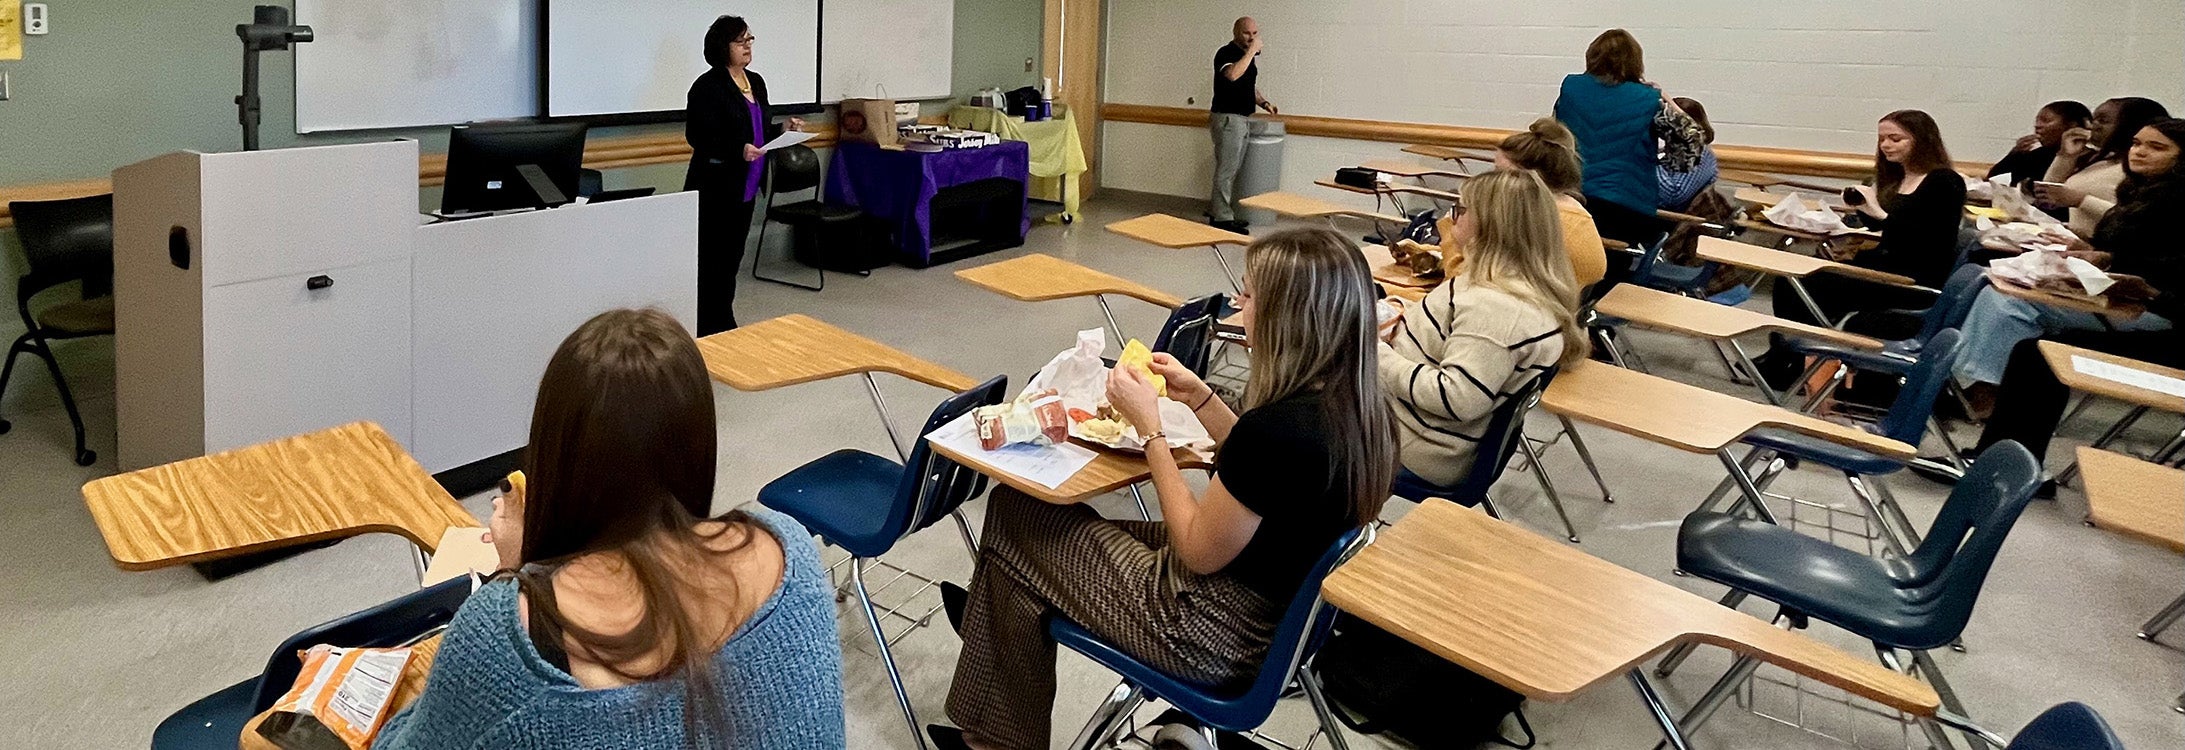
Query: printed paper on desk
x,y
1045,465
2131,376
1793,213
786,139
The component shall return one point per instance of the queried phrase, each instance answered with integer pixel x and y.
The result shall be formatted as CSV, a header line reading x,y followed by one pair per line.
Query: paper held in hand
x,y
463,550
786,139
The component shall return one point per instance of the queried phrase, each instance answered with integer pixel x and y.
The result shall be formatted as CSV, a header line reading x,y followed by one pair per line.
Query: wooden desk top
x,y
1687,417
2134,498
1447,152
1550,621
1661,310
1782,263
1345,188
1387,271
1112,470
794,349
2059,359
331,484
1292,204
2086,303
1408,169
1039,277
1175,232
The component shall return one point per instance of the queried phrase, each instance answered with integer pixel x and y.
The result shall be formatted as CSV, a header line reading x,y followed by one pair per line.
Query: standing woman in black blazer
x,y
726,122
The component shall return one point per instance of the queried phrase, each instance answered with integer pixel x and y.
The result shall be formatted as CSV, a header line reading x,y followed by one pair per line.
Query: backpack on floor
x,y
1380,683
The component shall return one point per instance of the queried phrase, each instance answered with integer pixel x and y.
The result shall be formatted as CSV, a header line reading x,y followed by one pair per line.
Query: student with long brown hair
x,y
1507,315
627,614
1199,593
1917,202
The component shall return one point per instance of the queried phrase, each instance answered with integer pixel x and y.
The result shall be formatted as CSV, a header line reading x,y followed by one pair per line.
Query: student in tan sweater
x,y
1509,314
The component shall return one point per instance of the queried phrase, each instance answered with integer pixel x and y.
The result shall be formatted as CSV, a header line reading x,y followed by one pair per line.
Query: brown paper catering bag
x,y
866,120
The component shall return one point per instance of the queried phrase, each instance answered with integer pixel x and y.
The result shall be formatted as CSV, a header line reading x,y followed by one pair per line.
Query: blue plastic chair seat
x,y
2067,726
1822,452
1862,594
1226,709
1673,277
844,497
209,723
1416,489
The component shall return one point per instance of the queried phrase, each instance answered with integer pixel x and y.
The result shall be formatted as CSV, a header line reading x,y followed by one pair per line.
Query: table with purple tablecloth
x,y
898,187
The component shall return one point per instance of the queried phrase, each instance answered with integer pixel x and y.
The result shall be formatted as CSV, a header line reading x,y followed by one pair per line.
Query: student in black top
x,y
2030,157
1236,93
1917,203
1198,594
726,123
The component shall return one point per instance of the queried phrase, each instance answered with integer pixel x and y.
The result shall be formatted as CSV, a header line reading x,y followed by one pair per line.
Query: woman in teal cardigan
x,y
1612,111
627,615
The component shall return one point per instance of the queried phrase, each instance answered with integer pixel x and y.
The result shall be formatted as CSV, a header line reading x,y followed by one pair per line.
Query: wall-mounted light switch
x,y
36,21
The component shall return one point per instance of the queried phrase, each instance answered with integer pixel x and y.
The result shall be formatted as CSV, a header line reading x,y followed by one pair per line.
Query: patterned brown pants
x,y
1119,580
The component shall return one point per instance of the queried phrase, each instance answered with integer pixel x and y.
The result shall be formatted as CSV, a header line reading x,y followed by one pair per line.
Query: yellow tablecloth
x,y
1057,152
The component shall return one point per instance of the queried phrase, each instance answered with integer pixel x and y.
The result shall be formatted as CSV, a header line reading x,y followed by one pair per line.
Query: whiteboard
x,y
407,63
897,49
617,56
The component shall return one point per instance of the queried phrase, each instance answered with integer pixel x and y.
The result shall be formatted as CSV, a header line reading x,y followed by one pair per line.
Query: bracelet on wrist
x,y
1204,401
1157,435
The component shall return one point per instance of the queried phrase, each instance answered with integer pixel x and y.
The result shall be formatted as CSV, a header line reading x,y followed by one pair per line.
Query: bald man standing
x,y
1236,93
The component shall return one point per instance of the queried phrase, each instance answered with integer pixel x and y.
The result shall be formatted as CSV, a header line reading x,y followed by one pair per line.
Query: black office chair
x,y
793,169
216,721
63,241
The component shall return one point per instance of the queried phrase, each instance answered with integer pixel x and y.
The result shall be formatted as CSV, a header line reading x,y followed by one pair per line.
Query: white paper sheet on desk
x,y
1793,213
786,139
1045,465
2134,377
2095,280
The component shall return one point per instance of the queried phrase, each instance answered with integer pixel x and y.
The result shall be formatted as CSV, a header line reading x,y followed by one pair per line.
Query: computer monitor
x,y
488,162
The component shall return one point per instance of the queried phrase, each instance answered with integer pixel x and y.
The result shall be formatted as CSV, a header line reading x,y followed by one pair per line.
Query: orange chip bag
x,y
339,701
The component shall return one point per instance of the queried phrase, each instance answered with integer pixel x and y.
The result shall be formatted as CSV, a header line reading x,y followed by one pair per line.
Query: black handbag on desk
x,y
1358,177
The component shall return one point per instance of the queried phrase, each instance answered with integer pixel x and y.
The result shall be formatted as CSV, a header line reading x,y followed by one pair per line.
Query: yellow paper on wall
x,y
11,30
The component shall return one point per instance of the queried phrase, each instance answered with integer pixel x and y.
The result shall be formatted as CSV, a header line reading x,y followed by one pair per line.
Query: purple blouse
x,y
758,136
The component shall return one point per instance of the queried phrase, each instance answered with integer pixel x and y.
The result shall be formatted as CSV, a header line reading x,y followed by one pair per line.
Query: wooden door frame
x,y
1070,53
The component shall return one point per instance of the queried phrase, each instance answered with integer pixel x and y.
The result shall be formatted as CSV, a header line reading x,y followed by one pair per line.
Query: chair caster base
x,y
86,458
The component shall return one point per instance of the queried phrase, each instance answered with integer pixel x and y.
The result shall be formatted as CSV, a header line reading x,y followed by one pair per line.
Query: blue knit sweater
x,y
780,678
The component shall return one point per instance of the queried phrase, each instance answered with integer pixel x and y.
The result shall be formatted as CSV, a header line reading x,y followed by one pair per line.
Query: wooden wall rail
x,y
1756,158
432,169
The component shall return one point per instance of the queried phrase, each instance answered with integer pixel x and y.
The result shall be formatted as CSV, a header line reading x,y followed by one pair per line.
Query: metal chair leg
x,y
1110,315
1226,274
44,350
1874,513
2163,619
1935,736
1676,656
1671,734
1752,459
1109,717
1703,710
1950,702
7,372
758,256
1896,513
1487,504
1328,723
1555,499
1137,497
1585,456
963,528
2109,436
887,658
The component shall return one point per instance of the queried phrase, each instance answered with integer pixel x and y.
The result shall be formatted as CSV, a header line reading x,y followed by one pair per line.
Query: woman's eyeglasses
x,y
745,42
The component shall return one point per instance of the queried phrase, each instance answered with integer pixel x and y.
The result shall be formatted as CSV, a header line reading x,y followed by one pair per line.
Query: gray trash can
x,y
1262,168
